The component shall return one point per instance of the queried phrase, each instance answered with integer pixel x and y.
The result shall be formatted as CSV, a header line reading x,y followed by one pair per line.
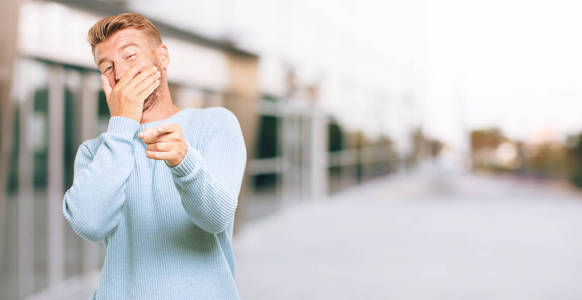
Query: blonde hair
x,y
109,25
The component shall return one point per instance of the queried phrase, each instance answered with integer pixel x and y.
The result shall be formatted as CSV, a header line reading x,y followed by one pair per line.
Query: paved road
x,y
429,235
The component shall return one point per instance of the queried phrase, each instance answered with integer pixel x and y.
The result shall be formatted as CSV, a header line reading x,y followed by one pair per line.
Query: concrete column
x,y
288,159
25,202
56,265
88,123
318,159
8,41
243,97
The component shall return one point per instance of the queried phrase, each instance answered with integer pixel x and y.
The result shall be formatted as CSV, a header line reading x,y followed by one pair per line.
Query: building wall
x,y
59,104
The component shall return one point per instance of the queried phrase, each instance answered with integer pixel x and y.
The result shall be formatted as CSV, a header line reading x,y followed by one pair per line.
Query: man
x,y
160,186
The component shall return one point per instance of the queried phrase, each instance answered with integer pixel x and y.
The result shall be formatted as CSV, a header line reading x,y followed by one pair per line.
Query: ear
x,y
164,56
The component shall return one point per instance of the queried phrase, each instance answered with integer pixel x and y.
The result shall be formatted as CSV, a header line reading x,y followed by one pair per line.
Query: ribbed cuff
x,y
123,127
188,164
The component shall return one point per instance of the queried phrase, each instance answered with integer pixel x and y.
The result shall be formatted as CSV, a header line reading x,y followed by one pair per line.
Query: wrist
x,y
122,126
134,117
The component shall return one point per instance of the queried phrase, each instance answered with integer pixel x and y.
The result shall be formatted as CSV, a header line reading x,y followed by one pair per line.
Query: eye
x,y
107,69
131,56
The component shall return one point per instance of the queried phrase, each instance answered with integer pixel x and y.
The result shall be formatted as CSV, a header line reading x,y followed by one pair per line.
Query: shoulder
x,y
207,118
199,125
219,111
220,122
192,118
220,117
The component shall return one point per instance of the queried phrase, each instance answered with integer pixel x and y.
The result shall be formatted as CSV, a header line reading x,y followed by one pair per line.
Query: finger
x,y
148,135
130,73
106,86
142,76
160,155
146,82
151,135
167,128
160,147
163,133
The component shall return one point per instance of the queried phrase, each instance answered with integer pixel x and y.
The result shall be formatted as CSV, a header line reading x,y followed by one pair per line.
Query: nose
x,y
120,69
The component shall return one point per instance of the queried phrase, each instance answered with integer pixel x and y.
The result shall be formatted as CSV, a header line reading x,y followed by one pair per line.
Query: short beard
x,y
151,100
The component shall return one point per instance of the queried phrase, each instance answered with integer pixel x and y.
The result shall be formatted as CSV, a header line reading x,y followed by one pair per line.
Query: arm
x,y
92,205
209,181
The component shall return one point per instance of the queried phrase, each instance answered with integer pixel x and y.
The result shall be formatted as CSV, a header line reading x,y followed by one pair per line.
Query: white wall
x,y
59,33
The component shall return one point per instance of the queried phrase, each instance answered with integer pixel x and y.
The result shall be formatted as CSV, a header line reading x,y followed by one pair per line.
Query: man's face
x,y
123,49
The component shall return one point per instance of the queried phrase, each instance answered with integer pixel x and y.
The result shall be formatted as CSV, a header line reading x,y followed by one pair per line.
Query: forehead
x,y
119,40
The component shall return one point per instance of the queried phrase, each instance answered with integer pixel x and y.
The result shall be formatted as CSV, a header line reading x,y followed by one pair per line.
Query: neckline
x,y
159,122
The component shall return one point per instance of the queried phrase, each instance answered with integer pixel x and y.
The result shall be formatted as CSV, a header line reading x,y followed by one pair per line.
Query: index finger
x,y
166,128
149,135
131,73
153,134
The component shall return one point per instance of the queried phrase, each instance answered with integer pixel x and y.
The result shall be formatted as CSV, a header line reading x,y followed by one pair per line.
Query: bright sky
x,y
514,64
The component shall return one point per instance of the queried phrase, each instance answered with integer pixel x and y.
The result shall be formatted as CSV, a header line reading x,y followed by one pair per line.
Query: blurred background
x,y
403,149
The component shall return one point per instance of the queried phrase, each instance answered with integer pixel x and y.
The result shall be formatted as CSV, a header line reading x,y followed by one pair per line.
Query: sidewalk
x,y
429,235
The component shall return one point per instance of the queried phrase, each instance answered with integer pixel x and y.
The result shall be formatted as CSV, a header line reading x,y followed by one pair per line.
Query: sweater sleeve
x,y
92,204
209,180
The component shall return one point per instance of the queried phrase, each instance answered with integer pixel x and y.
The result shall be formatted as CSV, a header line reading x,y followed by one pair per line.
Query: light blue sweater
x,y
167,230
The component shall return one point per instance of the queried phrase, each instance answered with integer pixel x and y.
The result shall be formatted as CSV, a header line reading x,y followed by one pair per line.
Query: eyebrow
x,y
122,48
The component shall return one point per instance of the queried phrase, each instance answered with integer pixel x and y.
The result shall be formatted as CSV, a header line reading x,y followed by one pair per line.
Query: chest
x,y
151,195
